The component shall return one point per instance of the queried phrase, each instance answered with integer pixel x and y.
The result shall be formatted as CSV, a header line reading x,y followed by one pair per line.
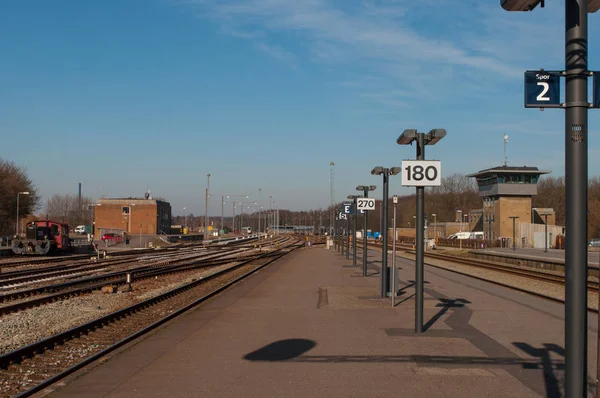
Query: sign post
x,y
419,174
394,288
362,205
347,210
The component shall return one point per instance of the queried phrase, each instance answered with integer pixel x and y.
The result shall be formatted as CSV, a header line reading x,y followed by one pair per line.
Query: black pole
x,y
514,234
576,205
355,221
334,230
385,271
546,233
419,266
347,238
364,270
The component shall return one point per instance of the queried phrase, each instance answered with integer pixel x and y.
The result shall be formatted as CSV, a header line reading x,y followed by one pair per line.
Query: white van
x,y
460,235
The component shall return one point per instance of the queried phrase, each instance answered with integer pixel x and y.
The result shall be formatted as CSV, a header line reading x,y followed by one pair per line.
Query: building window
x,y
125,210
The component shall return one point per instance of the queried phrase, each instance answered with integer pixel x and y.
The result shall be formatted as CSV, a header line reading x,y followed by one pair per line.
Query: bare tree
x,y
14,179
66,208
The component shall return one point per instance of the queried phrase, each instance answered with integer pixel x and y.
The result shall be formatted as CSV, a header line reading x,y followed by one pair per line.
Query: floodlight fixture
x,y
407,137
434,136
395,170
377,170
529,5
520,5
372,187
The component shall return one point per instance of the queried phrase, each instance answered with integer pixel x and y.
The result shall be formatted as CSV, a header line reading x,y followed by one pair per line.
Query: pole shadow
x,y
551,381
446,304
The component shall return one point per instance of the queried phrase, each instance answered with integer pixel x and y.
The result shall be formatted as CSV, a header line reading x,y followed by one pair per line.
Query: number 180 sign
x,y
421,173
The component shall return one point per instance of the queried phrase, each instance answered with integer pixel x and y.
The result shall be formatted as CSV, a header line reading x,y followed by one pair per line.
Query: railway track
x,y
538,275
34,367
65,290
24,261
74,268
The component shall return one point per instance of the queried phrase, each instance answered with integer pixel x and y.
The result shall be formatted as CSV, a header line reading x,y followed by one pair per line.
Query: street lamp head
x,y
377,170
435,135
372,187
360,188
433,215
519,5
407,137
24,193
395,170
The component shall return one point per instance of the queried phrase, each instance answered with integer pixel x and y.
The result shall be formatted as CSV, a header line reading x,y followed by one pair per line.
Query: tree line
x,y
457,192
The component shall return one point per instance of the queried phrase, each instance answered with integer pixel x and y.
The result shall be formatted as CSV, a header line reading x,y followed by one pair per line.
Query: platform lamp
x,y
514,218
385,270
365,189
431,138
545,215
354,222
18,218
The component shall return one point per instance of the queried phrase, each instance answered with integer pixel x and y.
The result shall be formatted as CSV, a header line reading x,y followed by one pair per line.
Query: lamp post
x,y
18,218
394,289
514,218
259,203
365,189
422,139
223,196
545,231
185,218
354,222
385,271
576,185
206,209
434,229
460,221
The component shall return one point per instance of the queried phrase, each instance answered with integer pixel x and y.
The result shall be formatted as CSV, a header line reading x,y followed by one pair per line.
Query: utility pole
x,y
206,209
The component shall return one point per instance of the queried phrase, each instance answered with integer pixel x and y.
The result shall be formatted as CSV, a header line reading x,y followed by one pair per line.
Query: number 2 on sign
x,y
542,96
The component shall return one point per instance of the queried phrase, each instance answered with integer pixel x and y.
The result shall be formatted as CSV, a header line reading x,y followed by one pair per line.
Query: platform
x,y
311,326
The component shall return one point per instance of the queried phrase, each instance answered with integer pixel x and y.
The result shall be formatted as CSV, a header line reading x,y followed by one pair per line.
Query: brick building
x,y
133,216
507,192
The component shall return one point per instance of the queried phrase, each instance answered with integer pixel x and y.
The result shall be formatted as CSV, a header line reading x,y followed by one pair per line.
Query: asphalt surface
x,y
312,326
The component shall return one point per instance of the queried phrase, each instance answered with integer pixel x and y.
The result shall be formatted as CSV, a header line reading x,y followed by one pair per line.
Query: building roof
x,y
124,201
509,170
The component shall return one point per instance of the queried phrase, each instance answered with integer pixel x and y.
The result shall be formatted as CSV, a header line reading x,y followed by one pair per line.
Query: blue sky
x,y
125,95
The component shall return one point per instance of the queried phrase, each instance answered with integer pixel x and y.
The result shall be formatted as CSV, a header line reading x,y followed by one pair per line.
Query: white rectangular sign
x,y
365,203
421,173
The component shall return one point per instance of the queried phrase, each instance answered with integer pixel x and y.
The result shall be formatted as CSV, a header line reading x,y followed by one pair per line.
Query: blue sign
x,y
542,89
596,93
347,208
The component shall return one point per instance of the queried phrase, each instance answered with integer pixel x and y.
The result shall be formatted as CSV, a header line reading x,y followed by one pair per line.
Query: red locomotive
x,y
43,237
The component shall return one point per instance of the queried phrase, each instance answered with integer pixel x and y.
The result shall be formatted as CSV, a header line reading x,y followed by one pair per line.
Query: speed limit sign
x,y
365,204
421,173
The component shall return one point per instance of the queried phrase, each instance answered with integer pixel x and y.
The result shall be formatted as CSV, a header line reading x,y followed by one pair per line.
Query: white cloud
x,y
421,48
277,53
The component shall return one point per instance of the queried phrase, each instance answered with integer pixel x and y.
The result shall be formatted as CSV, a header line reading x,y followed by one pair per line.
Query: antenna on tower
x,y
505,142
331,195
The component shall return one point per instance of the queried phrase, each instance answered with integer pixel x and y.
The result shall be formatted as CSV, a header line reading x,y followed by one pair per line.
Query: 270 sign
x,y
365,204
421,173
